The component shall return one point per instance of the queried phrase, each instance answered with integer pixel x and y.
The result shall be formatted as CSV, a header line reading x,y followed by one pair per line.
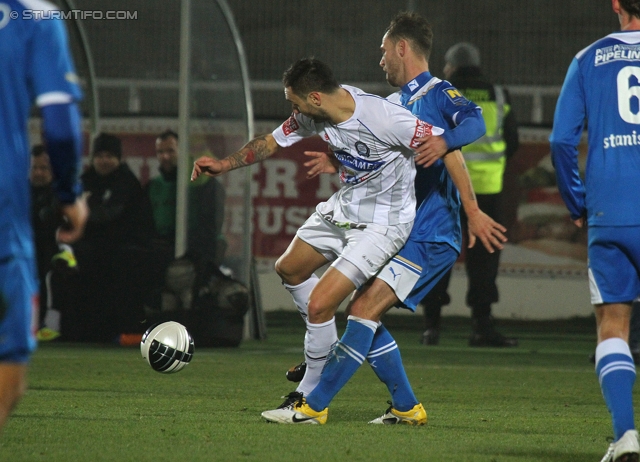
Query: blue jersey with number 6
x,y
601,92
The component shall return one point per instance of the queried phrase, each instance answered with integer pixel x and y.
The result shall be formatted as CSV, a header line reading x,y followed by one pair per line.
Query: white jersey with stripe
x,y
375,150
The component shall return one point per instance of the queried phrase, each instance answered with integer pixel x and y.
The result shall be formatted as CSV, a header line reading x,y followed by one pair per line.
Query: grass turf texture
x,y
537,402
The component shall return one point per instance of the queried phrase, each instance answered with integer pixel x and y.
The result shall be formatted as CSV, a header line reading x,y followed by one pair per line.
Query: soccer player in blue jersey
x,y
602,87
35,66
433,245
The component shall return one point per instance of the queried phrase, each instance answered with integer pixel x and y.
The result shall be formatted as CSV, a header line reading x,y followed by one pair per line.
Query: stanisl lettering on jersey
x,y
614,141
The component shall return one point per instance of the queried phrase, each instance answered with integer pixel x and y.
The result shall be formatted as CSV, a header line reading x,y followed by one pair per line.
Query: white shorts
x,y
367,249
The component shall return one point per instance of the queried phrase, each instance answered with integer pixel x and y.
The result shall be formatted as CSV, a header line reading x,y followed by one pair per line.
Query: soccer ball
x,y
167,347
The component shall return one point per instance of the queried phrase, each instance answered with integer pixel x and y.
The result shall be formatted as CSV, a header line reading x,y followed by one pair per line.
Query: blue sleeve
x,y
464,117
51,71
63,138
568,124
470,128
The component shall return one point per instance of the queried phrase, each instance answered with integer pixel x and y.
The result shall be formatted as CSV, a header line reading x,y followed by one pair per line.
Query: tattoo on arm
x,y
254,151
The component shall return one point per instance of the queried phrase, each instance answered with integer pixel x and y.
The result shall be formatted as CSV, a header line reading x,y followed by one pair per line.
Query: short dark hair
x,y
310,74
414,28
168,133
631,6
37,150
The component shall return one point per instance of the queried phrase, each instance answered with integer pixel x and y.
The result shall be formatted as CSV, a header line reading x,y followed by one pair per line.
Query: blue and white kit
x,y
608,196
369,218
434,243
35,66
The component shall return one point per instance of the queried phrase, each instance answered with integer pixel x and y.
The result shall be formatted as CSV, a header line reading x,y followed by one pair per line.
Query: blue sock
x,y
343,361
384,358
617,373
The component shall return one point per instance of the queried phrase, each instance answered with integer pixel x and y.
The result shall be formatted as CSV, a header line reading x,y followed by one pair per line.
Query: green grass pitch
x,y
537,402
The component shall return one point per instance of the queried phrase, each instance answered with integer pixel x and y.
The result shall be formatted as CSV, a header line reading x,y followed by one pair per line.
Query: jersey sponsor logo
x,y
362,149
620,52
422,129
290,125
355,163
455,96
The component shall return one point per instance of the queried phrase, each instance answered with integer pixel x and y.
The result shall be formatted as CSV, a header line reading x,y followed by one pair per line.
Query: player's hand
x,y
483,227
431,149
579,222
75,216
208,166
321,162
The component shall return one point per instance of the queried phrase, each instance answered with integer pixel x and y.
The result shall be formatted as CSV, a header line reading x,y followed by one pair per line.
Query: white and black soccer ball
x,y
167,347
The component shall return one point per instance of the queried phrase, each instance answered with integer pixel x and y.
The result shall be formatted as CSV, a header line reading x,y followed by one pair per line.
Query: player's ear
x,y
616,6
315,98
401,47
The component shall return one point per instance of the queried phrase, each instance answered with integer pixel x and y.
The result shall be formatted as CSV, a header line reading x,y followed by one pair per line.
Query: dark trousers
x,y
103,299
482,271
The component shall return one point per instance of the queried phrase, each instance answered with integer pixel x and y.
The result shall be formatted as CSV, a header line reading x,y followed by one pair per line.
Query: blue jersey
x,y
602,86
35,66
437,102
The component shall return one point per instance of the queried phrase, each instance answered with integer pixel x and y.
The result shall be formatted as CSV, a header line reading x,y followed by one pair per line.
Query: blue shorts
x,y
18,309
614,264
414,271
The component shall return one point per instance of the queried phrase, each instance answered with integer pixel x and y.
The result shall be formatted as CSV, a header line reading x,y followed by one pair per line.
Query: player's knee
x,y
318,311
282,269
290,273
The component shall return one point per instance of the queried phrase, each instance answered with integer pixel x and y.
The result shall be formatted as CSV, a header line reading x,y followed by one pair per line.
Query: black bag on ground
x,y
211,306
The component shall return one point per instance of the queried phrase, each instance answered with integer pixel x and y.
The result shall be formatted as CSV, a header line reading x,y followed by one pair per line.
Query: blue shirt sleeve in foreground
x,y
63,138
568,124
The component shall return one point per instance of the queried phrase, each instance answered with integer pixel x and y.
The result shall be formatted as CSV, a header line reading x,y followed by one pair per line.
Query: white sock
x,y
300,294
51,317
318,342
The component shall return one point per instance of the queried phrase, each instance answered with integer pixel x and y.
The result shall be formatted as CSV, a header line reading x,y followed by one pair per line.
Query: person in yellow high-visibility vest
x,y
486,160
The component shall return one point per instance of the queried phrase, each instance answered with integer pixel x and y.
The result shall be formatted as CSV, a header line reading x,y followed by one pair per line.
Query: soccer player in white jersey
x,y
367,220
35,67
601,87
433,245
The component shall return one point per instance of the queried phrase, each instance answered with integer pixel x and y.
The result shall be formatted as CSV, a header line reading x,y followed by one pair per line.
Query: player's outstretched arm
x,y
321,162
481,225
256,150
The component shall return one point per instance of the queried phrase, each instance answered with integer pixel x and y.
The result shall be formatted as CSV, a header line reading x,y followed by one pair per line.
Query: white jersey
x,y
375,150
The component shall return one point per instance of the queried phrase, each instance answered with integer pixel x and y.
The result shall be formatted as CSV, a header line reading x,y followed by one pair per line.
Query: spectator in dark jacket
x,y
112,254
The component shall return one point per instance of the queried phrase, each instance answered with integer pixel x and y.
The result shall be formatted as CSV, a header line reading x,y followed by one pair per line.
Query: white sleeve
x,y
293,130
407,128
